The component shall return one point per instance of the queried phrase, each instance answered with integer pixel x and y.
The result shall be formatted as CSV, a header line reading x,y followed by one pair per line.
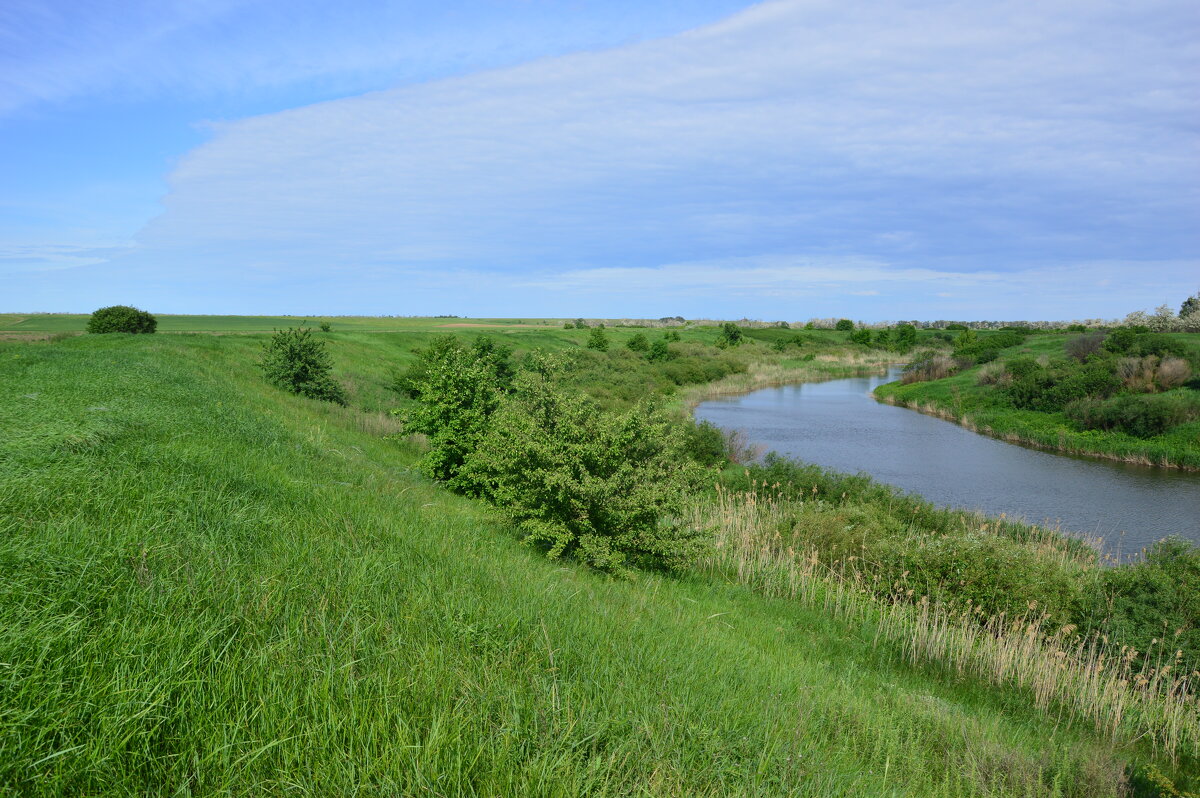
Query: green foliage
x,y
121,319
844,325
295,361
861,336
1154,605
326,326
638,343
706,444
1190,305
1076,328
883,339
458,388
1143,416
568,325
672,336
1051,388
598,339
730,335
957,327
580,324
1084,346
788,342
659,351
605,488
904,337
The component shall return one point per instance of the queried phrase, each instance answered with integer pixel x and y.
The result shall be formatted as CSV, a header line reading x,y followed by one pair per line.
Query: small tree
x,y
904,337
295,361
860,336
606,488
1190,306
326,326
121,318
731,335
638,343
598,340
844,325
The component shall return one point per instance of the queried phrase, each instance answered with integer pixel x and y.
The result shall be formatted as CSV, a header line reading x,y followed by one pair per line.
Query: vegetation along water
x,y
218,582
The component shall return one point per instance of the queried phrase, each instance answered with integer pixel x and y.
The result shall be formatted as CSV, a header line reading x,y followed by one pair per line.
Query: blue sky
x,y
789,159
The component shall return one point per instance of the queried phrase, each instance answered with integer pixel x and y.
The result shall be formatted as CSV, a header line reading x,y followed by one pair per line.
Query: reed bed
x,y
1125,695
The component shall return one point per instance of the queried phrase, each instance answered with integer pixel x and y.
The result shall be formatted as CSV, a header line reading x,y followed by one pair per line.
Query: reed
x,y
1126,697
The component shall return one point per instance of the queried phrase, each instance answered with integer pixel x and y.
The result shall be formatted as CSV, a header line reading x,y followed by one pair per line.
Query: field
x,y
212,586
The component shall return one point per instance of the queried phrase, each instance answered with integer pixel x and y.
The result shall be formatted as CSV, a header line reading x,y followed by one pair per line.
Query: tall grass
x,y
1126,698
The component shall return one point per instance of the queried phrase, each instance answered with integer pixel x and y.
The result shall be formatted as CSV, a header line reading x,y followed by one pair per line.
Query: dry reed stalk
x,y
1124,696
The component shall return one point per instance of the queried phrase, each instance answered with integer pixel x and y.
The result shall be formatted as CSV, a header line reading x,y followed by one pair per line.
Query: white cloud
x,y
899,148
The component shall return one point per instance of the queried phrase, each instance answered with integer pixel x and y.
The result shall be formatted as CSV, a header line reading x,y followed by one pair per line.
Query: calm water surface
x,y
838,425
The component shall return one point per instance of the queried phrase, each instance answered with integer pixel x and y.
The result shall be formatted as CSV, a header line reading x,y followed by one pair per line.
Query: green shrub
x,y
1140,415
861,336
605,488
598,339
706,444
638,343
659,350
672,336
904,337
458,388
1157,599
844,325
121,319
1050,389
326,326
730,335
295,361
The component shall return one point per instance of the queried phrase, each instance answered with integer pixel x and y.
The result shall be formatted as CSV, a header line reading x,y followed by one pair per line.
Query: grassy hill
x,y
211,586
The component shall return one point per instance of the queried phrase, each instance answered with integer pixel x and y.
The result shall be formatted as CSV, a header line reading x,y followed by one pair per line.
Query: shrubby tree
x,y
598,339
844,325
904,337
672,336
123,319
638,343
730,335
1190,306
458,388
659,350
860,336
295,361
606,488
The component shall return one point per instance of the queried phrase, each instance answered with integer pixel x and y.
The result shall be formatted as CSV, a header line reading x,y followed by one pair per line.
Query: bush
x,y
672,336
326,326
861,336
1156,599
605,488
459,387
121,319
638,343
659,350
598,339
1084,346
295,361
731,335
1138,415
844,325
1050,389
928,366
904,337
705,443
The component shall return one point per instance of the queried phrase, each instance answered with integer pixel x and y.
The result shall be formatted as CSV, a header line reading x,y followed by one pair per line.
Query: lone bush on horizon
x,y
296,362
844,325
121,319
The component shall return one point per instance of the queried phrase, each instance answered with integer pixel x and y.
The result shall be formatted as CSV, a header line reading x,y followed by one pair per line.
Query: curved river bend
x,y
838,425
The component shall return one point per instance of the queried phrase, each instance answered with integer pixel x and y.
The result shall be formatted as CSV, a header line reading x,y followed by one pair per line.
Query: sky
x,y
908,159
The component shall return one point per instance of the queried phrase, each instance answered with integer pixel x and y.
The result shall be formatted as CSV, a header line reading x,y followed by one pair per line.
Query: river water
x,y
838,425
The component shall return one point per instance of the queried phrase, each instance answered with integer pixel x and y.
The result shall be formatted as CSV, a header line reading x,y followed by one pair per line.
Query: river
x,y
838,425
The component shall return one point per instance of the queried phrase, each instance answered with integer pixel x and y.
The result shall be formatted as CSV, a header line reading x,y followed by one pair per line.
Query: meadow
x,y
216,587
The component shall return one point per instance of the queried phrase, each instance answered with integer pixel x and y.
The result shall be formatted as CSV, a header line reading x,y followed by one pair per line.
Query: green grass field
x,y
960,397
214,587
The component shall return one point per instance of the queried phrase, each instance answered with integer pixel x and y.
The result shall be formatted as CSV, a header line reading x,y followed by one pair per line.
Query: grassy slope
x,y
213,586
962,399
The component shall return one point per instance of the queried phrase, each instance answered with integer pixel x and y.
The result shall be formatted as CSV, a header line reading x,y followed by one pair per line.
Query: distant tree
x,y
883,338
783,325
295,361
904,337
568,325
672,336
659,350
638,343
121,318
1190,305
326,326
844,325
860,336
581,324
811,325
731,335
598,340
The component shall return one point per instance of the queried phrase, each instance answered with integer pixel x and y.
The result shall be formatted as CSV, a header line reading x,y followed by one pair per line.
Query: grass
x,y
215,587
960,398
